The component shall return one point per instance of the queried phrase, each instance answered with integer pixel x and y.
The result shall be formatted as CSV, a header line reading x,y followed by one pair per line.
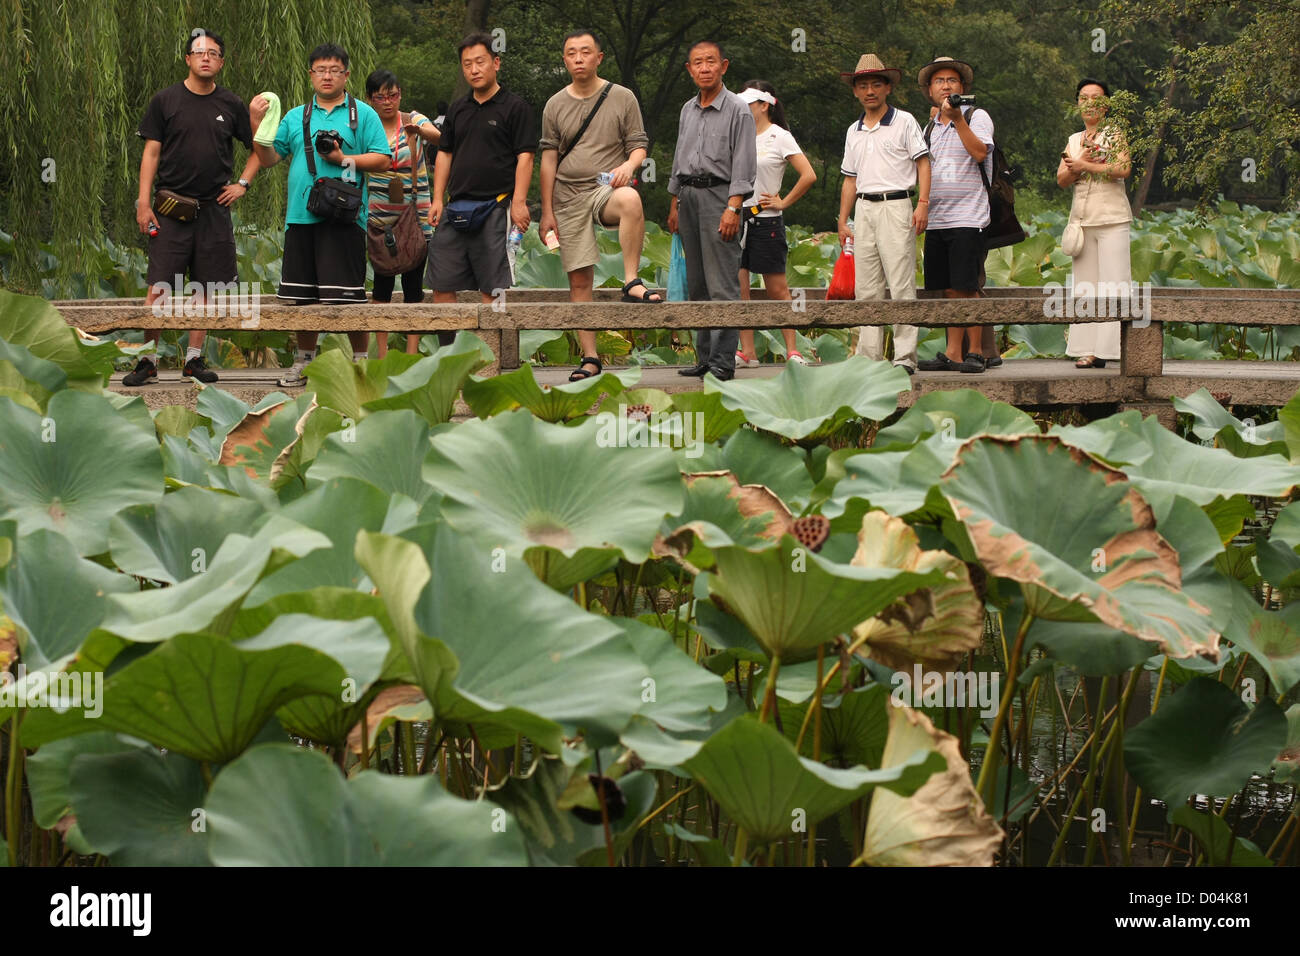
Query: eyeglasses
x,y
386,97
206,54
327,71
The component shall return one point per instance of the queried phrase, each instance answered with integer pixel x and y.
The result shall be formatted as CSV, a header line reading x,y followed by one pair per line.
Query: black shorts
x,y
471,260
954,259
324,262
764,251
203,248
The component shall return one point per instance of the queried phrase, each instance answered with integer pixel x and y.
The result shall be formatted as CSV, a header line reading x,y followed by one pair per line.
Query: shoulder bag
x,y
399,247
331,198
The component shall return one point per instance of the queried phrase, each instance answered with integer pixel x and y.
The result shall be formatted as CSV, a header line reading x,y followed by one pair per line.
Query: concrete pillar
x,y
1142,350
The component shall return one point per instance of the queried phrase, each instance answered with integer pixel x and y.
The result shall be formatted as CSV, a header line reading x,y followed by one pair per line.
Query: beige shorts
x,y
575,219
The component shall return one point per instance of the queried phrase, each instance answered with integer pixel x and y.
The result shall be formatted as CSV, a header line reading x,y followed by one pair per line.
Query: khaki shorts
x,y
574,221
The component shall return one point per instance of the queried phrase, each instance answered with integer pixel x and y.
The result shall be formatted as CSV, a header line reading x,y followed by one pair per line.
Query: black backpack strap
x,y
585,123
306,140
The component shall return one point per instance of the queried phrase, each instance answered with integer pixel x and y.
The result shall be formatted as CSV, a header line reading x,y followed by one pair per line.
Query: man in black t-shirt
x,y
486,151
189,131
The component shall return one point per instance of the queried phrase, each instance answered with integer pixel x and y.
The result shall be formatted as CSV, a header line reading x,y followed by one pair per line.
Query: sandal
x,y
743,360
645,297
797,357
579,373
1090,361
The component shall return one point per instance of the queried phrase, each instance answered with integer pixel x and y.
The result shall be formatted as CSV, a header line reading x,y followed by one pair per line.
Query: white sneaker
x,y
795,356
294,377
744,360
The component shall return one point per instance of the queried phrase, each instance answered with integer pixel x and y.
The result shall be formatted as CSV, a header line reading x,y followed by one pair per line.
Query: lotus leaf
x,y
281,806
806,402
943,823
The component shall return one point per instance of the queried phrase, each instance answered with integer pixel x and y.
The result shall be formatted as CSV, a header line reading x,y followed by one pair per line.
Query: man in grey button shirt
x,y
713,171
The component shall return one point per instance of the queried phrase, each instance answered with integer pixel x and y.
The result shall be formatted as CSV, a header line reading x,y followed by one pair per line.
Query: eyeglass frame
x,y
204,54
328,71
379,97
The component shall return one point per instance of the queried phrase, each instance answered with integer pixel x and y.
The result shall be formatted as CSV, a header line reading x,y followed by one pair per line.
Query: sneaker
x,y
796,357
294,377
743,360
197,368
144,373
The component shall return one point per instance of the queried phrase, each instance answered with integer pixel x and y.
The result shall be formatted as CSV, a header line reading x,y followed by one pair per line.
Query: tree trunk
x,y
476,21
1149,172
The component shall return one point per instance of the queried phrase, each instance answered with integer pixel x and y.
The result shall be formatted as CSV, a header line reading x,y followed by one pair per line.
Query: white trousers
x,y
1104,259
884,256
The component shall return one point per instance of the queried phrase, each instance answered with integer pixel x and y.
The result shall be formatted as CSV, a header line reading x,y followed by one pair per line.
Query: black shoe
x,y
971,363
144,373
197,368
940,363
698,371
906,368
723,374
992,361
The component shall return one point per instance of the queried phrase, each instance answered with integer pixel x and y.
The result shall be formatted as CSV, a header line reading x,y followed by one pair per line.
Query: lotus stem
x,y
817,746
1114,754
1277,841
1137,796
14,790
665,805
769,690
742,839
989,771
1095,761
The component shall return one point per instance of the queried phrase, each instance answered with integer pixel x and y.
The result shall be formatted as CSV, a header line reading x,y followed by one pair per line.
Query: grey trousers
x,y
712,268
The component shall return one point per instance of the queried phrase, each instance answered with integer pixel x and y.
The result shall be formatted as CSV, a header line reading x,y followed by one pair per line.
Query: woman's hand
x,y
772,201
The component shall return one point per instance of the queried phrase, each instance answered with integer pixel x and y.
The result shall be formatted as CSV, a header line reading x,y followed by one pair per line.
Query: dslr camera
x,y
327,141
958,100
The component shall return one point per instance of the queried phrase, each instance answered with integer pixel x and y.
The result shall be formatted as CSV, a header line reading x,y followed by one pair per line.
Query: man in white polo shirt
x,y
959,205
885,158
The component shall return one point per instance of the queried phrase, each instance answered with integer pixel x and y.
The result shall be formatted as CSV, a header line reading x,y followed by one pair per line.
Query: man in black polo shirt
x,y
485,154
189,131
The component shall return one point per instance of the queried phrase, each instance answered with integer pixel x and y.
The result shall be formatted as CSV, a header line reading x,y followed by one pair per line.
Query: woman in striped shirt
x,y
390,191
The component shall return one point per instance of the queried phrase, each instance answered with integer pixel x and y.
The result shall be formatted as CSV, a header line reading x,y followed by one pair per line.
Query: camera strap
x,y
306,129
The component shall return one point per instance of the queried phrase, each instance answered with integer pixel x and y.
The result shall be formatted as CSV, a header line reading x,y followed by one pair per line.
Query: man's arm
x,y
362,162
976,147
232,191
625,173
550,160
519,204
438,193
848,193
921,215
148,170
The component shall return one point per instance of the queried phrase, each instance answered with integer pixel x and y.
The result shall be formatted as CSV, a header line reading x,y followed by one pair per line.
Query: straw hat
x,y
964,70
870,65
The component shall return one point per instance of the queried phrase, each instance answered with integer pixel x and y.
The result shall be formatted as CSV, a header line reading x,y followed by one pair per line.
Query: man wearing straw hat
x,y
959,205
885,159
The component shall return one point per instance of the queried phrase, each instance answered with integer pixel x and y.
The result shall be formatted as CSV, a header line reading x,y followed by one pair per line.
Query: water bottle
x,y
848,246
513,241
605,179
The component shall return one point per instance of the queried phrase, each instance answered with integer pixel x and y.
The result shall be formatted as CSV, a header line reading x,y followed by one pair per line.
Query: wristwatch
x,y
244,183
735,209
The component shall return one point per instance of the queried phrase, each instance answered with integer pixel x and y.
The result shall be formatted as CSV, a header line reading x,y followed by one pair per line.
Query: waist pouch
x,y
175,206
468,215
334,199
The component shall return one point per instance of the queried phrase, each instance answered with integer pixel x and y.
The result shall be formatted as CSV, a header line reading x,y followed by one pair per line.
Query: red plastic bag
x,y
842,279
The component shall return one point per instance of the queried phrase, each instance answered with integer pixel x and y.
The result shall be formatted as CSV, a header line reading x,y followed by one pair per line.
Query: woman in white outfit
x,y
764,249
1095,165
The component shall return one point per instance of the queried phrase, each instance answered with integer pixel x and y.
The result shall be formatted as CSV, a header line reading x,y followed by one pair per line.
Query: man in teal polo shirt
x,y
324,261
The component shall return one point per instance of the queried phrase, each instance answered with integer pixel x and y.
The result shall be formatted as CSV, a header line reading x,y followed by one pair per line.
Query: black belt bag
x,y
469,215
331,198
